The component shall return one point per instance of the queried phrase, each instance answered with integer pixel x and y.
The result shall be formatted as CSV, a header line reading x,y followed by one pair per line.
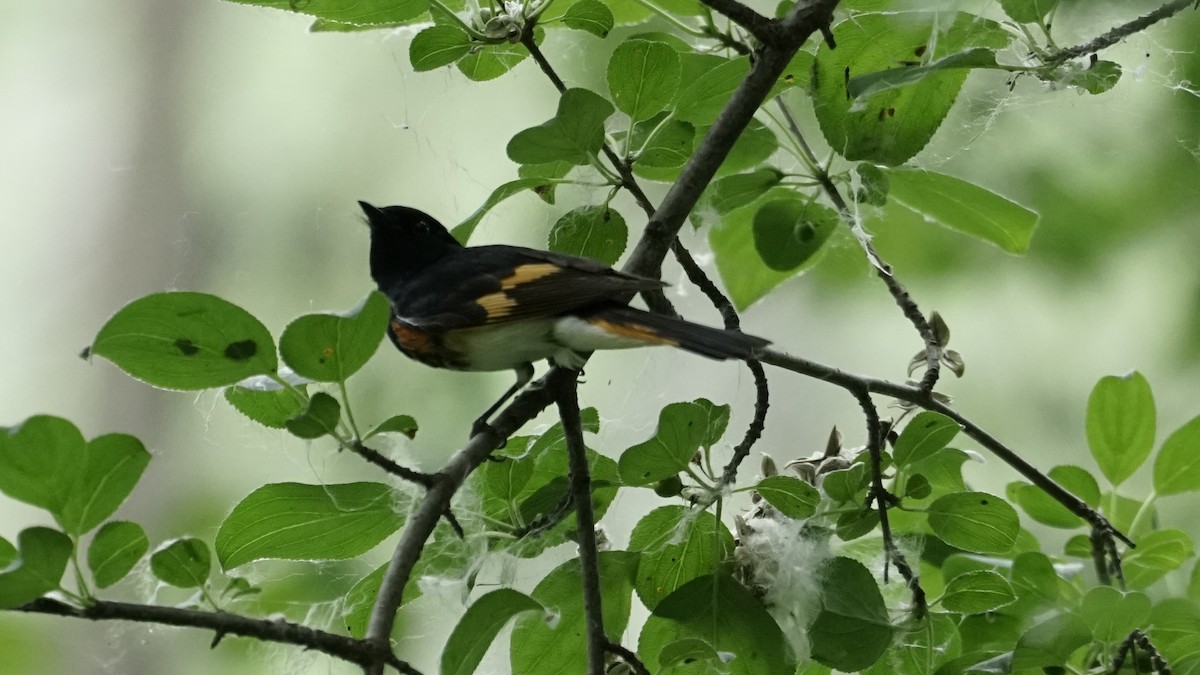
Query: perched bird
x,y
505,307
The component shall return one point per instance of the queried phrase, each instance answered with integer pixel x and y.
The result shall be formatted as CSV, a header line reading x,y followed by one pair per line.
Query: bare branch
x,y
794,30
225,623
1121,32
421,523
756,24
581,493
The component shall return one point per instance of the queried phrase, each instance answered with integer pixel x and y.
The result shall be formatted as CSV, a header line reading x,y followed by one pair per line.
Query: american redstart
x,y
504,307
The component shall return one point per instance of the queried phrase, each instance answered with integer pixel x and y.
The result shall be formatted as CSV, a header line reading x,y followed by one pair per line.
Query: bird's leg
x,y
524,375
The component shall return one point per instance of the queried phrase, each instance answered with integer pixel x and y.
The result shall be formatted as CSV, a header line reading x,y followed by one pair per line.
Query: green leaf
x,y
716,423
266,401
923,648
108,470
790,496
731,192
438,46
977,592
444,556
789,232
670,147
924,435
396,424
703,98
1045,509
852,629
875,184
116,548
463,231
539,649
320,417
1096,78
943,469
843,485
862,86
39,461
332,347
487,62
1112,615
716,609
746,277
42,559
797,73
596,232
893,125
184,340
550,172
685,652
350,11
681,428
575,134
974,521
966,207
1120,424
547,487
483,620
756,144
1028,11
185,563
8,553
1157,553
292,521
1177,466
677,545
1050,643
643,77
1034,580
592,16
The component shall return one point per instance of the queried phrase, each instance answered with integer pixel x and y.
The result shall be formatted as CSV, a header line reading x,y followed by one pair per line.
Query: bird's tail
x,y
715,343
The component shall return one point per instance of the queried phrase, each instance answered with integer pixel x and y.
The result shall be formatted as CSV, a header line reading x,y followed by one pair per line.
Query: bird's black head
x,y
404,241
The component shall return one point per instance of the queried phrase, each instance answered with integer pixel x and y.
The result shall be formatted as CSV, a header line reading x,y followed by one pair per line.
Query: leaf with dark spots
x,y
242,350
186,347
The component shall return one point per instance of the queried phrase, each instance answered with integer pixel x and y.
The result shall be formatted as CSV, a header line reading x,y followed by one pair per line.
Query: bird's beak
x,y
371,211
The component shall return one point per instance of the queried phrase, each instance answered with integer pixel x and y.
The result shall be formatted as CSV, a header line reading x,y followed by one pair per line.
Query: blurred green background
x,y
148,146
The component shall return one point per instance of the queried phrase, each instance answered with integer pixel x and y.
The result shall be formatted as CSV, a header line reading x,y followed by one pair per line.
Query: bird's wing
x,y
495,284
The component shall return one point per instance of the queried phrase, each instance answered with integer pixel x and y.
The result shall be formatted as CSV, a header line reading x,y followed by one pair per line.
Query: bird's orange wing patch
x,y
412,339
524,274
633,331
497,305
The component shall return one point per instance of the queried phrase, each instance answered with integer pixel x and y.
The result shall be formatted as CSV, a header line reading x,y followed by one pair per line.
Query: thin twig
x,y
913,394
425,480
908,306
224,623
1119,33
567,399
1138,640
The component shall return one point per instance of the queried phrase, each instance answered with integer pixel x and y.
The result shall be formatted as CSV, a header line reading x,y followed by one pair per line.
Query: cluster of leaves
x,y
1000,602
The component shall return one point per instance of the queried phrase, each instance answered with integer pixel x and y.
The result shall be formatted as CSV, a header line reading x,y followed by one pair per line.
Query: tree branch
x,y
581,493
792,31
1119,33
908,306
421,523
278,630
756,24
913,394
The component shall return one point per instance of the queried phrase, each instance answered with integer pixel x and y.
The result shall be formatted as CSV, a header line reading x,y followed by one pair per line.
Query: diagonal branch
x,y
224,623
793,31
756,24
1121,32
424,519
